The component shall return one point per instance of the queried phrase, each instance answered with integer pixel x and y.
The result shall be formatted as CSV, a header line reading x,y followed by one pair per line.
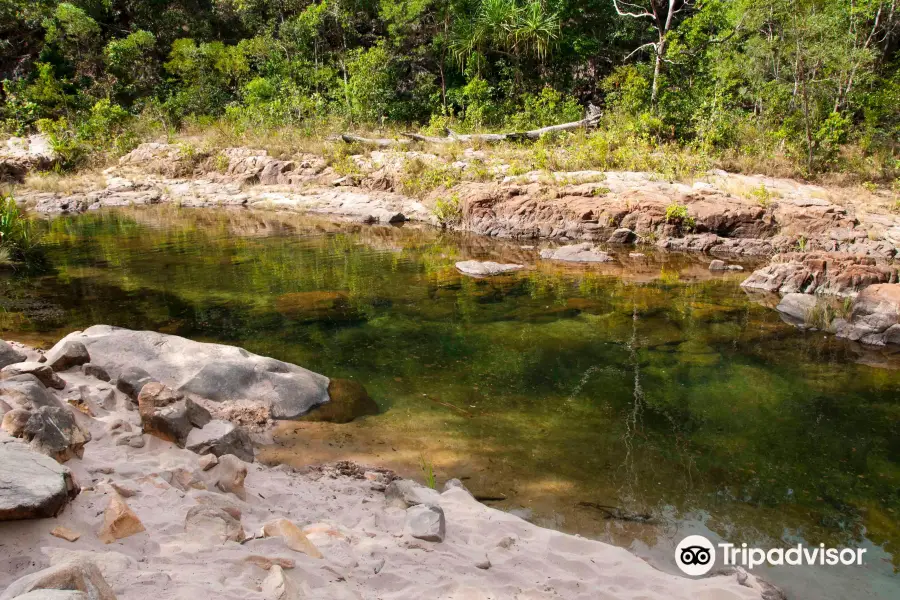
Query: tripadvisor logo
x,y
695,555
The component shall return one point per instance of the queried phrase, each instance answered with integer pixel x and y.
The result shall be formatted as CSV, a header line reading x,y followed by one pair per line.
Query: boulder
x,y
833,273
581,253
478,268
67,354
622,235
92,370
403,493
212,371
293,537
169,414
9,355
73,576
131,380
212,524
26,391
40,370
32,486
348,400
717,265
455,484
426,522
875,317
797,307
220,438
54,432
119,521
228,475
14,422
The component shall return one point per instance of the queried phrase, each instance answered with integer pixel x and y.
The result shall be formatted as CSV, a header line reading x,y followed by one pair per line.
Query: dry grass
x,y
65,183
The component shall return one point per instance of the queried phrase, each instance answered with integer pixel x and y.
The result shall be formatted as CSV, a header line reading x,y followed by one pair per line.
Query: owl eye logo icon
x,y
695,555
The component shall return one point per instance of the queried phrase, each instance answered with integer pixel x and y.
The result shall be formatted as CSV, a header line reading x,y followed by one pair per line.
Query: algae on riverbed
x,y
657,387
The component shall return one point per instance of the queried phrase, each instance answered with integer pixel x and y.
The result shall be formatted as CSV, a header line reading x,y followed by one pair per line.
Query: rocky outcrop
x,y
821,273
211,371
478,268
19,156
32,485
875,317
54,432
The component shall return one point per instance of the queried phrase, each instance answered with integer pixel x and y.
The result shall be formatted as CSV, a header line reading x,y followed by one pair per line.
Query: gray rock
x,y
131,380
426,522
403,493
67,354
479,268
213,524
622,235
77,575
40,370
9,355
32,486
168,414
92,370
213,371
717,265
220,438
454,484
797,307
26,391
576,253
134,440
54,432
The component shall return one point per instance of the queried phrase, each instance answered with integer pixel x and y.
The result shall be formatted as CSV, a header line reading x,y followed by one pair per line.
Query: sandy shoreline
x,y
366,542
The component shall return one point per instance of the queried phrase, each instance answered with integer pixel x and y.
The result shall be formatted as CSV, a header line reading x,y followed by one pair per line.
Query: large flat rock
x,y
32,486
213,371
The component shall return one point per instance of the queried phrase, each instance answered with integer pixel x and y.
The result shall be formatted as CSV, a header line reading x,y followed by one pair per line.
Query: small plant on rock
x,y
428,472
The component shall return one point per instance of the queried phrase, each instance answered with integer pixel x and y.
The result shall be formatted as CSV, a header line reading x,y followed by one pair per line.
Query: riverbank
x,y
156,519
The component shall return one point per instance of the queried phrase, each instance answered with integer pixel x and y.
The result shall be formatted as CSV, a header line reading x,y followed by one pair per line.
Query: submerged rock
x,y
348,401
478,268
577,253
32,485
212,371
316,305
797,307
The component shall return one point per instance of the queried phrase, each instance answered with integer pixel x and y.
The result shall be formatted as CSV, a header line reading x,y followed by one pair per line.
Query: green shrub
x,y
19,240
448,212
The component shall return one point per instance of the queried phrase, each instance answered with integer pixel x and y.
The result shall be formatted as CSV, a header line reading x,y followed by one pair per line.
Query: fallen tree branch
x,y
380,142
591,119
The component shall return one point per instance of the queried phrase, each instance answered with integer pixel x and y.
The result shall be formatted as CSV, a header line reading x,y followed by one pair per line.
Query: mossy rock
x,y
349,400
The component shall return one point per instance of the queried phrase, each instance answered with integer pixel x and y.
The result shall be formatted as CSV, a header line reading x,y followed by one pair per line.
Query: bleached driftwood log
x,y
590,120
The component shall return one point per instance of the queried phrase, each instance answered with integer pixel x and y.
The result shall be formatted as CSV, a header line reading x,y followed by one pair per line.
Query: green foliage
x,y
132,62
428,472
371,87
549,107
448,212
19,240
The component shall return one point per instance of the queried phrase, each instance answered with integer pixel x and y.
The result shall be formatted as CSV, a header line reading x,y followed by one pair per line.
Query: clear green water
x,y
653,387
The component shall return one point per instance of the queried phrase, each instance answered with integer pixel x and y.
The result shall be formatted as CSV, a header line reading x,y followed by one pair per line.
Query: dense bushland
x,y
795,87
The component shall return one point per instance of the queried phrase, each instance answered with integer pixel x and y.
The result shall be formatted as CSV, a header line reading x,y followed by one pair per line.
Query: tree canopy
x,y
805,77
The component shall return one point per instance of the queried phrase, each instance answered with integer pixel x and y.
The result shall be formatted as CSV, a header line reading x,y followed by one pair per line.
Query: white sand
x,y
366,553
